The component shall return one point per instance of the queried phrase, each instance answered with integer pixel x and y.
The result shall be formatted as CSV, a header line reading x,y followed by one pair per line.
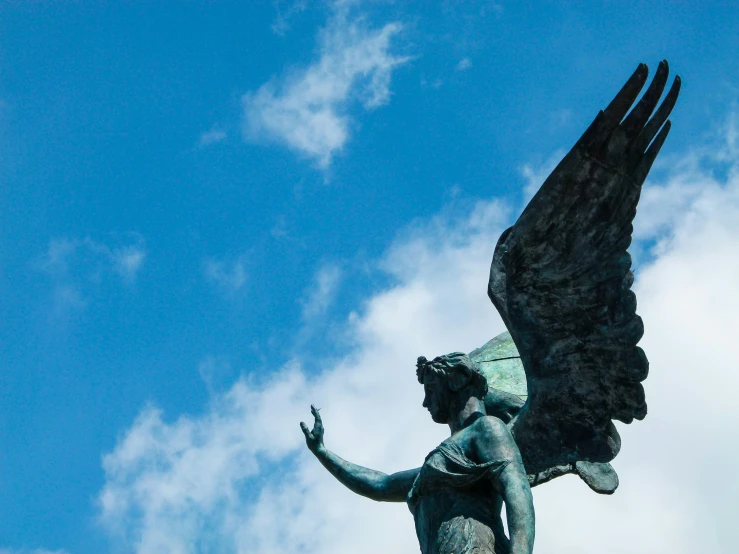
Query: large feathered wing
x,y
561,280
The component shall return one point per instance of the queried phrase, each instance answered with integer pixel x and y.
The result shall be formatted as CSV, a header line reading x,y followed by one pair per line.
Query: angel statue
x,y
538,402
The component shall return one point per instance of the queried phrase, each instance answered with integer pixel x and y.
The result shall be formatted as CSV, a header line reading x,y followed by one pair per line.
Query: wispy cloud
x,y
57,257
279,229
560,118
497,7
77,265
237,478
229,274
127,261
320,296
310,109
215,371
212,136
464,64
286,12
65,256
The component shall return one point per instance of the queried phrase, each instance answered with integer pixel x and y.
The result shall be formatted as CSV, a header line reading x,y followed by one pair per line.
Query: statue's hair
x,y
457,370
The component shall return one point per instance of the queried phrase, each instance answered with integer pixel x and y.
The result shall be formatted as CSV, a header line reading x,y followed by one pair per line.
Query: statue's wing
x,y
560,279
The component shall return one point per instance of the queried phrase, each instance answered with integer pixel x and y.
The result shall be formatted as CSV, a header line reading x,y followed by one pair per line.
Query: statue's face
x,y
436,398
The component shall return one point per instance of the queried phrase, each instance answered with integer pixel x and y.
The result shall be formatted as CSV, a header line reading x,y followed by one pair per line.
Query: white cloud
x,y
229,275
309,109
66,256
66,297
56,259
321,295
279,230
77,266
285,15
238,479
214,371
497,7
560,118
127,261
464,64
212,136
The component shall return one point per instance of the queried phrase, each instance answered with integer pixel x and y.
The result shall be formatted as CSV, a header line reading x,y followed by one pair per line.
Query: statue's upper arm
x,y
398,485
493,441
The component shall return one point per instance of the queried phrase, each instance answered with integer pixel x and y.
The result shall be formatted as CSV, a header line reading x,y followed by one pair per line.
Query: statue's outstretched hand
x,y
314,438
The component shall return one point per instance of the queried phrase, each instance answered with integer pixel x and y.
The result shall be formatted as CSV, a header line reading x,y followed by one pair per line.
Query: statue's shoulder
x,y
491,441
489,426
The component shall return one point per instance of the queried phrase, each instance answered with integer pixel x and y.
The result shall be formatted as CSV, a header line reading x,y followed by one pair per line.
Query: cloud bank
x,y
237,477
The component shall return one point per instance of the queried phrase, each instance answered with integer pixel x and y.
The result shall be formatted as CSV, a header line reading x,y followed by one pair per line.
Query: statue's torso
x,y
455,505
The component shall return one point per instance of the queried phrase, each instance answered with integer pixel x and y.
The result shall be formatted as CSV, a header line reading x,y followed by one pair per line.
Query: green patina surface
x,y
503,375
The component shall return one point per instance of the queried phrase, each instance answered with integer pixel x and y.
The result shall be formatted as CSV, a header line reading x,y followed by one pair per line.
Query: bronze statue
x,y
539,403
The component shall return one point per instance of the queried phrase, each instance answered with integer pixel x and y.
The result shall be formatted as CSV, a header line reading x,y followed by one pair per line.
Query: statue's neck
x,y
470,412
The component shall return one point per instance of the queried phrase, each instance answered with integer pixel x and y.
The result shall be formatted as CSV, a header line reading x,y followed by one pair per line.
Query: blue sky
x,y
206,202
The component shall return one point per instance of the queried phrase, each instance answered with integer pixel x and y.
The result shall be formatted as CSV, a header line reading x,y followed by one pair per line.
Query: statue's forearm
x,y
358,479
367,482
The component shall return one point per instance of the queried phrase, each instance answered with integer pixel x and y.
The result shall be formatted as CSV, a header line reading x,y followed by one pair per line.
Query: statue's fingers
x,y
304,428
318,425
318,428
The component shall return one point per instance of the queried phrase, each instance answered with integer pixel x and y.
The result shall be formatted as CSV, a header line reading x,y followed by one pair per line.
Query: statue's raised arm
x,y
361,480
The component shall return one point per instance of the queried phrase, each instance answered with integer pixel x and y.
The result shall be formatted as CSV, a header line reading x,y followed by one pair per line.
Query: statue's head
x,y
449,381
